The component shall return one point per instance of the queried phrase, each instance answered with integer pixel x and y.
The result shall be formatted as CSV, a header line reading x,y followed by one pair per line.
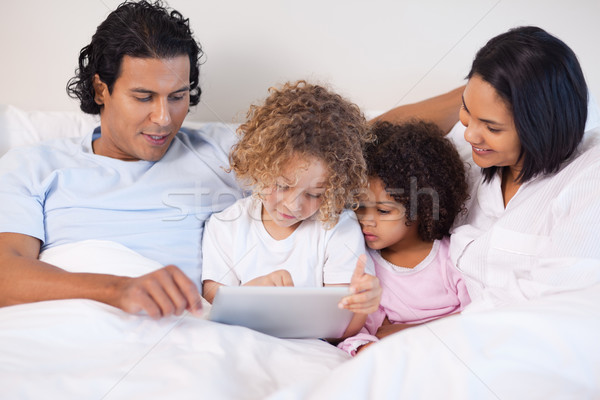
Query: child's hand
x,y
281,277
387,328
365,288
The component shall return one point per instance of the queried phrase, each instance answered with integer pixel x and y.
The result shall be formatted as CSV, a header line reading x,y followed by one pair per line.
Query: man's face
x,y
148,104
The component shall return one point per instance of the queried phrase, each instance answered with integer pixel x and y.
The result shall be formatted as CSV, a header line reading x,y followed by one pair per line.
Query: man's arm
x,y
441,110
25,279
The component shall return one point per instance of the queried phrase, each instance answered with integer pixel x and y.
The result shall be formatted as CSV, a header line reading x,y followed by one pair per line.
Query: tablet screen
x,y
286,312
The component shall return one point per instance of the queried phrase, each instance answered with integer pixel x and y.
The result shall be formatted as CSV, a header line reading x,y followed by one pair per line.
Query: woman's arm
x,y
441,110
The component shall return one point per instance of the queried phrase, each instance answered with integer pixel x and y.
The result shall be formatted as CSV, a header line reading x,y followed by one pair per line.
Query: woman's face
x,y
490,127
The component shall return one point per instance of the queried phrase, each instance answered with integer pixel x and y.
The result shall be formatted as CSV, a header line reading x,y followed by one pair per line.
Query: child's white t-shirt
x,y
237,248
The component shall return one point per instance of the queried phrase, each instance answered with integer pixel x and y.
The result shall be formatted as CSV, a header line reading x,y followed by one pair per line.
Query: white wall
x,y
378,53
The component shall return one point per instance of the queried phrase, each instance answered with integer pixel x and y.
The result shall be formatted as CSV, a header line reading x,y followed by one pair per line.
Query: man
x,y
133,182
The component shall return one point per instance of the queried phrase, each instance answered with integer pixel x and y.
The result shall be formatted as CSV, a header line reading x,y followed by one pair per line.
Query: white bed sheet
x,y
541,349
73,349
80,349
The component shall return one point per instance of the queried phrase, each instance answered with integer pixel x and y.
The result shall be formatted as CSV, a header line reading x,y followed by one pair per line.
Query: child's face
x,y
383,220
297,193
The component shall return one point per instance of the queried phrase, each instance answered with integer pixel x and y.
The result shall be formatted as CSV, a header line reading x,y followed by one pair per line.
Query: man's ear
x,y
100,90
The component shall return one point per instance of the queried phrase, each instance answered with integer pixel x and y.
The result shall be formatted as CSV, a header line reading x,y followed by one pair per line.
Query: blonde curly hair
x,y
309,121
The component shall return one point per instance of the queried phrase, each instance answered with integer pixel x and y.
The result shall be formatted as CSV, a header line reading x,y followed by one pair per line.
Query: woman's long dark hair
x,y
541,81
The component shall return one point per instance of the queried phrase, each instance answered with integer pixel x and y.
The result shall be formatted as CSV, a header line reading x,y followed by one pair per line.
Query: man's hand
x,y
281,277
164,292
365,288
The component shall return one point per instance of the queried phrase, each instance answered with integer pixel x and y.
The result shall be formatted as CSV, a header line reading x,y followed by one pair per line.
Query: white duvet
x,y
542,349
79,349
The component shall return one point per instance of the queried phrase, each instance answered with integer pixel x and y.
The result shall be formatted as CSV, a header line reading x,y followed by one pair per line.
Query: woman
x,y
528,246
533,219
534,216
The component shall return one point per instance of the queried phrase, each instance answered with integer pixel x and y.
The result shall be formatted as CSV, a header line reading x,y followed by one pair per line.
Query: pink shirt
x,y
430,290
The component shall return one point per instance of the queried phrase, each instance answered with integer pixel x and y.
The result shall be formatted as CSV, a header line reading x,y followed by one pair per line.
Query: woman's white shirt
x,y
545,241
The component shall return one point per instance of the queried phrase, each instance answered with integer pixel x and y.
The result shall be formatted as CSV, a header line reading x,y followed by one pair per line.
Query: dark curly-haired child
x,y
302,153
416,188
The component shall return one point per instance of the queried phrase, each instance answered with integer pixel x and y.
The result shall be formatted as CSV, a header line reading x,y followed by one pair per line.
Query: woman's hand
x,y
365,289
281,277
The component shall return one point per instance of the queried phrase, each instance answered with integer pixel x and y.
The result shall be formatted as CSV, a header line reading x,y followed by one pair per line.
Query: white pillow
x,y
19,127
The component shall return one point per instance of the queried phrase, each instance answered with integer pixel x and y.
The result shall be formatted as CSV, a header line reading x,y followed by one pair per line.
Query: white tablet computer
x,y
285,312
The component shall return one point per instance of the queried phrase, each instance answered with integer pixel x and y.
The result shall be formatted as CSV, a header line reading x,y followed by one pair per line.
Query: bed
x,y
80,349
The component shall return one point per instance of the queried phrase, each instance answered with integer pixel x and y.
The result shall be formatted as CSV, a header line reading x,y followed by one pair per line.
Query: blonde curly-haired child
x,y
301,151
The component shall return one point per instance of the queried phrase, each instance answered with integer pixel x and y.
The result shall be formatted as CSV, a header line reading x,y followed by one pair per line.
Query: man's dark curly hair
x,y
419,166
137,29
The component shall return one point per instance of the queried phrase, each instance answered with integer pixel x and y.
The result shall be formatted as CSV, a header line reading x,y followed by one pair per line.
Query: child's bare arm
x,y
209,289
387,328
355,325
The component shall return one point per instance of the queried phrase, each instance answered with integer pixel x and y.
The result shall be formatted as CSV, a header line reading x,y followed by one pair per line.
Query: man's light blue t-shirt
x,y
61,192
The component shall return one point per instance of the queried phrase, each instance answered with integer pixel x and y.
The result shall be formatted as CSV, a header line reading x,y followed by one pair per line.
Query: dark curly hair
x,y
136,29
311,121
419,167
